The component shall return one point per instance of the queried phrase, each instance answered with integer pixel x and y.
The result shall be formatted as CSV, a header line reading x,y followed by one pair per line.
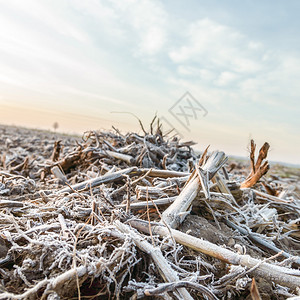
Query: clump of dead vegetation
x,y
131,216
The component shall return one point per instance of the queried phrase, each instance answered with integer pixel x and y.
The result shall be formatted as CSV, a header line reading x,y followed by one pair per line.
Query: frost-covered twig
x,y
165,269
269,271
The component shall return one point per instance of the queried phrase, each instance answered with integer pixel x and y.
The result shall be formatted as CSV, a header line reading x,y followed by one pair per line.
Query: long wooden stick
x,y
124,157
178,210
110,177
281,275
260,241
165,173
143,204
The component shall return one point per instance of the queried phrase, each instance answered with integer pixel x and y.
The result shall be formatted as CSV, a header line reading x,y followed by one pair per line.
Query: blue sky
x,y
76,62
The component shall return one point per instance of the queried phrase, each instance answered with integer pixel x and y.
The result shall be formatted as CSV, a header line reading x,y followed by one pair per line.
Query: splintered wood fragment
x,y
269,189
163,201
270,197
21,166
69,161
222,186
56,151
57,172
174,285
9,203
203,156
168,274
263,153
250,181
165,173
263,243
254,290
63,224
161,173
51,284
111,177
280,275
177,211
124,157
252,157
260,168
143,204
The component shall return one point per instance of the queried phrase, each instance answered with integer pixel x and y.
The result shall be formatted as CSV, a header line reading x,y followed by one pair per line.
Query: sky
x,y
92,64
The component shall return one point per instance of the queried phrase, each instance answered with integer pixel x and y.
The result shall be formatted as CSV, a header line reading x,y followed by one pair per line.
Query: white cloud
x,y
140,25
193,71
226,78
147,21
218,47
102,17
49,15
222,64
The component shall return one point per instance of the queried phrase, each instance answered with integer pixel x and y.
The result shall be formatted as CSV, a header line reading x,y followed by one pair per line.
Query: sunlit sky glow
x,y
76,62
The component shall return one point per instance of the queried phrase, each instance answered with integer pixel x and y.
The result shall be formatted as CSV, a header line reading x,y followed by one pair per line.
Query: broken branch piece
x,y
260,168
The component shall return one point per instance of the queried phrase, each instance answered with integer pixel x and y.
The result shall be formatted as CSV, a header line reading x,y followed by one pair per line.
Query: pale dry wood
x,y
111,177
52,284
57,172
221,184
260,241
177,211
63,225
270,197
9,203
164,267
39,229
143,204
164,201
124,157
279,275
175,285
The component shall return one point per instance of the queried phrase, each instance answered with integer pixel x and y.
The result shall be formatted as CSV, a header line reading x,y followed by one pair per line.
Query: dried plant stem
x,y
57,172
165,173
177,211
52,284
175,285
259,241
268,271
98,180
260,168
124,157
168,274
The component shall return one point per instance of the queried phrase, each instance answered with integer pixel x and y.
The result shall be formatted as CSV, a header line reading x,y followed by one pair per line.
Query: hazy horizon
x,y
77,62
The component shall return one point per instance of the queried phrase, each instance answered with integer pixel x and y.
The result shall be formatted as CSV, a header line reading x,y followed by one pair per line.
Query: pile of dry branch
x,y
114,216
